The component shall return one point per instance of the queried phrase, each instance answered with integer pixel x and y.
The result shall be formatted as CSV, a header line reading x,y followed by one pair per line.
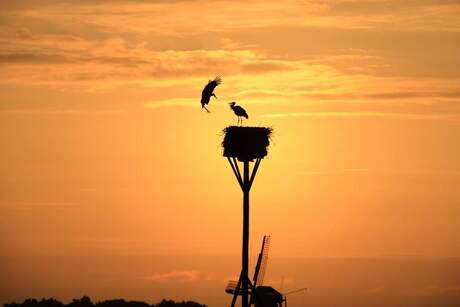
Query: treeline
x,y
86,302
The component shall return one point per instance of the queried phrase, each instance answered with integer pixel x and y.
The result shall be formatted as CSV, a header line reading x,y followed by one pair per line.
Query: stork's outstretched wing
x,y
208,92
209,88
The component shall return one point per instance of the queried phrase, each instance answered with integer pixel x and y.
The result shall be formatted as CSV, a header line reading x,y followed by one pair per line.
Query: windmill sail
x,y
231,286
259,272
234,286
261,265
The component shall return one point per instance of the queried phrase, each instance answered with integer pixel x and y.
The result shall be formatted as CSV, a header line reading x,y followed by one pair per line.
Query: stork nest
x,y
246,143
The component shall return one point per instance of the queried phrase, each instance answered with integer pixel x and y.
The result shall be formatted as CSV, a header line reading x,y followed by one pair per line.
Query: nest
x,y
246,143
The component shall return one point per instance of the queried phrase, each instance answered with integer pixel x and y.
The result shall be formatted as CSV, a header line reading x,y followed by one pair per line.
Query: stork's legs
x,y
240,121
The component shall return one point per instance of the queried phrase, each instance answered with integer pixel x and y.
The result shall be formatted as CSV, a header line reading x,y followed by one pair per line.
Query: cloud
x,y
412,94
396,95
383,172
173,102
86,34
384,7
299,53
266,66
40,205
33,58
65,59
174,277
185,18
411,116
34,4
228,43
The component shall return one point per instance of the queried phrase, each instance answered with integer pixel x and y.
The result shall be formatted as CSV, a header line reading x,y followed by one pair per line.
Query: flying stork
x,y
239,111
208,91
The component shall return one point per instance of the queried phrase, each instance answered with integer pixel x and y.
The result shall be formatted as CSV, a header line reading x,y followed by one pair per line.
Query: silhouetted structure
x,y
208,91
86,302
245,144
263,296
239,112
268,297
234,287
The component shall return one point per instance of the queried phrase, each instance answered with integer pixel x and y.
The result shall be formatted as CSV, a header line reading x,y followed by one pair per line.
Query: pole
x,y
245,256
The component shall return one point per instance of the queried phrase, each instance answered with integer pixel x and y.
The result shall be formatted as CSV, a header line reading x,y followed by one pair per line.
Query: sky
x,y
105,150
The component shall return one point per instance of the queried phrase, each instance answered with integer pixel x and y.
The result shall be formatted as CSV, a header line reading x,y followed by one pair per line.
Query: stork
x,y
208,91
239,111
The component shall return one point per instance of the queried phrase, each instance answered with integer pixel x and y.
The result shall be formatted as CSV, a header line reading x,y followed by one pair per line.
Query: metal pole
x,y
245,258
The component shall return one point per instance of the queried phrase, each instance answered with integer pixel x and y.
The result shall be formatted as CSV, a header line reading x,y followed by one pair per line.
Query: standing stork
x,y
208,91
239,111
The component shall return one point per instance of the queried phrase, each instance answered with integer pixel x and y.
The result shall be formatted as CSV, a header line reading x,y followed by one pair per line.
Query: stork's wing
x,y
217,80
209,88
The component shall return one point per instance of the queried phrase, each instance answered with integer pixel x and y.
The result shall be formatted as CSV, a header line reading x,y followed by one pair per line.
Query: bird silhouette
x,y
239,111
208,91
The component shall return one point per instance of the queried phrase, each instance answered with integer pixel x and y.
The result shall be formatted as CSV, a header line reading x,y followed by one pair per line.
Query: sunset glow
x,y
106,153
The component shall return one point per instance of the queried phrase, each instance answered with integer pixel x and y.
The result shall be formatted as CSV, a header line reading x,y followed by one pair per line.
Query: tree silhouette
x,y
85,301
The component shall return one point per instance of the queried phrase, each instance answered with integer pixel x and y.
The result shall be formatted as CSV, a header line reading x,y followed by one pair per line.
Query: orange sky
x,y
104,146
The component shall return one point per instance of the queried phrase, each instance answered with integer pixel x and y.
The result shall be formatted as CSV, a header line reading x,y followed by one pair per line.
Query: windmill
x,y
260,295
234,287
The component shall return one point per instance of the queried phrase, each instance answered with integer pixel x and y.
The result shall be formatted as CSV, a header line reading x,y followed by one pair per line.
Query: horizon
x,y
330,281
